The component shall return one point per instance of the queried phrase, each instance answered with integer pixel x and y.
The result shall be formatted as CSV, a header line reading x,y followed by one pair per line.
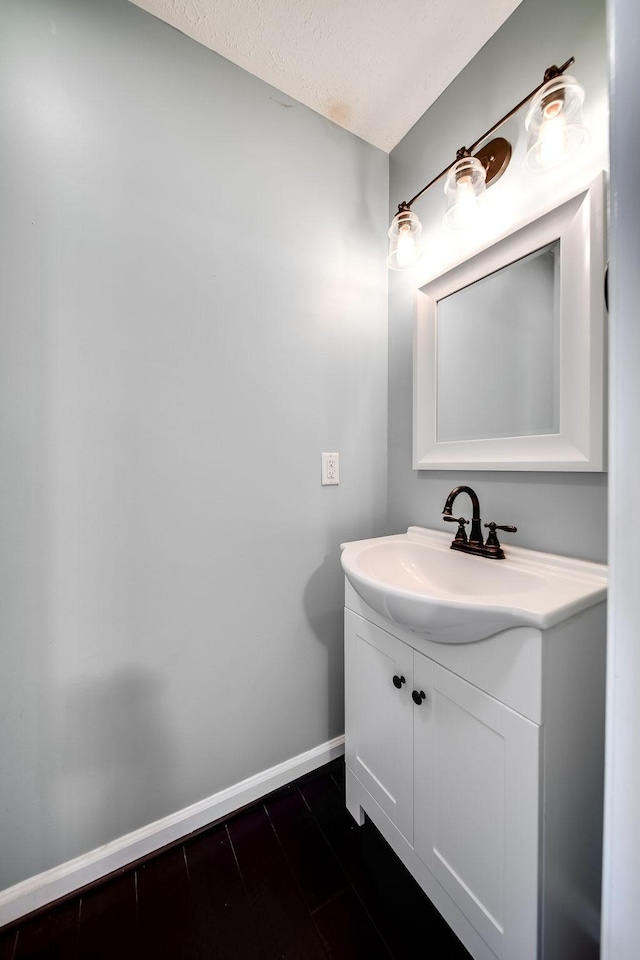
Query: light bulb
x,y
552,139
464,188
406,254
554,123
466,209
404,240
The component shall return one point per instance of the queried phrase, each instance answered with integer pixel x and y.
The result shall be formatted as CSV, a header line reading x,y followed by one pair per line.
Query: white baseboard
x,y
46,887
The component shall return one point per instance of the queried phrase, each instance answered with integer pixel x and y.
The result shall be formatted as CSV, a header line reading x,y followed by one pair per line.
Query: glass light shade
x,y
404,241
464,189
554,123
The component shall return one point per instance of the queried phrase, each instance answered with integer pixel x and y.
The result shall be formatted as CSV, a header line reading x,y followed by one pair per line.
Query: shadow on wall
x,y
326,623
113,743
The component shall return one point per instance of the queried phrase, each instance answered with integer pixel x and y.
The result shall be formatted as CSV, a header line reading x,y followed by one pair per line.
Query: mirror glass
x,y
497,353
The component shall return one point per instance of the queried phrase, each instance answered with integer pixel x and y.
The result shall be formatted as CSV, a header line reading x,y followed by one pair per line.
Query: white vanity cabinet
x,y
489,787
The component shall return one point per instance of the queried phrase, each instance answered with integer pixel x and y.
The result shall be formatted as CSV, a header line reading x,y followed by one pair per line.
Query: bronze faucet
x,y
475,543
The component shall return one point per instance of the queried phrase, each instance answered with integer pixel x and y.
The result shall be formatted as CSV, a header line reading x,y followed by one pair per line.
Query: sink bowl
x,y
416,581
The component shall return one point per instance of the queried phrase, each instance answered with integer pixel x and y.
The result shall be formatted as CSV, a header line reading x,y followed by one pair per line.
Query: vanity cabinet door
x,y
476,806
379,718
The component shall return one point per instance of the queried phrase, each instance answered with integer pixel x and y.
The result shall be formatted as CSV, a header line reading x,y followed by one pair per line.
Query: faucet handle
x,y
461,534
492,539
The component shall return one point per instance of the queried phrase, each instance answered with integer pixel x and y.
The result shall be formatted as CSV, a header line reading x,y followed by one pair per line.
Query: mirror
x,y
521,347
509,350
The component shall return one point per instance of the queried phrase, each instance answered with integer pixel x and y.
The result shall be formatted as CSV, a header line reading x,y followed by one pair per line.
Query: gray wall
x,y
193,307
564,513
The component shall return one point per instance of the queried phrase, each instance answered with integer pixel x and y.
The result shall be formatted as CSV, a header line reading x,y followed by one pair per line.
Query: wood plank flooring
x,y
289,877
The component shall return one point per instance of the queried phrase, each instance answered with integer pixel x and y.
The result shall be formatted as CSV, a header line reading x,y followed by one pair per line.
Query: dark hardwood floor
x,y
289,877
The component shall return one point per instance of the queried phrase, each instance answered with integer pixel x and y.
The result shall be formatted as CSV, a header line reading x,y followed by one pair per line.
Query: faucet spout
x,y
475,536
475,544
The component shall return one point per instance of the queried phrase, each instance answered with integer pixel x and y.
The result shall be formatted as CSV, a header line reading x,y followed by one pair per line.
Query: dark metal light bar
x,y
551,72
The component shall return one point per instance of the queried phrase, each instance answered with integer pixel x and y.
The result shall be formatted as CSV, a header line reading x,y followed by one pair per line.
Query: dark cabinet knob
x,y
418,696
398,681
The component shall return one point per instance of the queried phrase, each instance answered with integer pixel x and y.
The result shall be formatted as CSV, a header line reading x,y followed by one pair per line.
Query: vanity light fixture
x,y
554,131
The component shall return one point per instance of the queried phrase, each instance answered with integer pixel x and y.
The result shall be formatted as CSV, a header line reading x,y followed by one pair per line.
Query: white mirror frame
x,y
580,444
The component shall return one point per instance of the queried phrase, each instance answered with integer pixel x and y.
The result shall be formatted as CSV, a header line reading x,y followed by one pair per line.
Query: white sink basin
x,y
416,580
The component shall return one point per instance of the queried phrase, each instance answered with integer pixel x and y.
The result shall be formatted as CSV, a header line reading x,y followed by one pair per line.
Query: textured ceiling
x,y
371,66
